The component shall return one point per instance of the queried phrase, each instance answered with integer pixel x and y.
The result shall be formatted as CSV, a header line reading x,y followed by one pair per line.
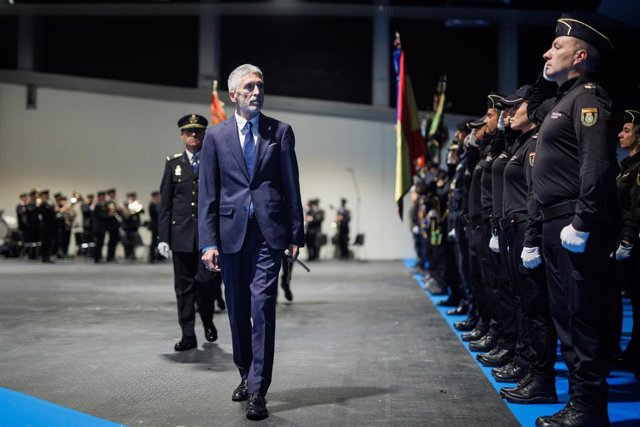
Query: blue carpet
x,y
624,390
20,410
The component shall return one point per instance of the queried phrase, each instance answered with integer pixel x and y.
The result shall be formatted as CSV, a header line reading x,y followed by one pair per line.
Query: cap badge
x,y
193,119
589,116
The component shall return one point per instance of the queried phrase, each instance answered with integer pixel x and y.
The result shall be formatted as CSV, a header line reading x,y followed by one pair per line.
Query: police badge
x,y
589,116
532,158
177,171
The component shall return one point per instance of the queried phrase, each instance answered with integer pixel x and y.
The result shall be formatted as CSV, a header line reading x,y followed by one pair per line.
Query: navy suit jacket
x,y
226,191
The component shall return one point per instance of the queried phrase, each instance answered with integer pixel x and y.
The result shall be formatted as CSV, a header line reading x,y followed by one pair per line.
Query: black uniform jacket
x,y
576,153
178,216
628,183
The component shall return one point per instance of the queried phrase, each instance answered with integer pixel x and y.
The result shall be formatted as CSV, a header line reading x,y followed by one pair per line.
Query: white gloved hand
x,y
494,243
451,235
531,257
415,229
501,121
163,249
471,140
574,240
623,252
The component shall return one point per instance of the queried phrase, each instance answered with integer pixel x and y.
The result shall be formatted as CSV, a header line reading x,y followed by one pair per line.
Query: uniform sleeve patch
x,y
532,158
589,116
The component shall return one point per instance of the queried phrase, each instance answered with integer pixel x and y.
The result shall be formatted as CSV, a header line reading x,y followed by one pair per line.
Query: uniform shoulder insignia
x,y
590,86
175,156
589,116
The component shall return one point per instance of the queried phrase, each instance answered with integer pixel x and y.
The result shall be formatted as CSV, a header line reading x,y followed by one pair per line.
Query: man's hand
x,y
624,251
163,249
531,257
494,244
211,260
574,240
293,252
471,140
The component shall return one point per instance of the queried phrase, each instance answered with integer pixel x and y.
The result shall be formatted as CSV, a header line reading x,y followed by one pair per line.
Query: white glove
x,y
452,233
531,257
415,229
494,243
163,249
501,123
623,252
471,140
574,240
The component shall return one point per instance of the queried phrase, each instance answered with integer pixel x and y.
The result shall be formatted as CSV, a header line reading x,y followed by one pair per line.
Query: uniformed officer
x,y
88,240
178,231
573,183
47,213
154,208
131,212
32,239
627,254
100,217
21,214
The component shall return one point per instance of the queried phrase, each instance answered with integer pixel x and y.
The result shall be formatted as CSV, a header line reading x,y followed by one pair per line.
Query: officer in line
x,y
21,215
178,232
88,240
573,182
628,254
113,223
47,213
131,211
99,220
152,225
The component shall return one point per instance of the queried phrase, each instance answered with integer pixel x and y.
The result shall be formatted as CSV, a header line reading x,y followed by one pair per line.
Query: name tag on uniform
x,y
555,115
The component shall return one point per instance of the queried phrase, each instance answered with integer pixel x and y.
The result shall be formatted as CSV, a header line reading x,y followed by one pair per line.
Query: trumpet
x,y
76,197
135,207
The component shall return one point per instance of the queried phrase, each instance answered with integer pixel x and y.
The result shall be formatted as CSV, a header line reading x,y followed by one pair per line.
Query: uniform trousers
x,y
193,284
537,339
577,285
507,296
251,284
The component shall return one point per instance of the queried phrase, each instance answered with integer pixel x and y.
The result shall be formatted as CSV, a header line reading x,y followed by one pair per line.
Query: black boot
x,y
478,332
573,415
486,343
462,308
539,390
466,325
523,381
510,373
499,356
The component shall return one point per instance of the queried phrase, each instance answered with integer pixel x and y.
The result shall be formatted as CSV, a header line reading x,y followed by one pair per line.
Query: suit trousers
x,y
577,285
193,284
251,285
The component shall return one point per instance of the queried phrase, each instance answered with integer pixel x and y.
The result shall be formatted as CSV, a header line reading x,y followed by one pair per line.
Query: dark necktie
x,y
194,164
249,149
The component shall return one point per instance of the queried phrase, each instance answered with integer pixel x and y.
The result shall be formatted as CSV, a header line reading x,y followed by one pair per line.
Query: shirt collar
x,y
190,155
241,122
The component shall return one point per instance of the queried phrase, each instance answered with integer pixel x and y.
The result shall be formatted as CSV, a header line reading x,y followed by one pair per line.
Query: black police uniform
x,y
178,226
100,217
153,228
574,179
47,214
536,346
628,185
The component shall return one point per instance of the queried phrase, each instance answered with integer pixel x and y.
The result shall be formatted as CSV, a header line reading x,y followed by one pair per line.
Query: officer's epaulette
x,y
175,156
590,86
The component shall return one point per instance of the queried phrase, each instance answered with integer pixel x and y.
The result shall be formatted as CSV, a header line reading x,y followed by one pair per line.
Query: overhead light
x,y
465,23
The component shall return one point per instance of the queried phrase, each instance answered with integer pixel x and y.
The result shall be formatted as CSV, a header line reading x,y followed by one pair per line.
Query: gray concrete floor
x,y
361,345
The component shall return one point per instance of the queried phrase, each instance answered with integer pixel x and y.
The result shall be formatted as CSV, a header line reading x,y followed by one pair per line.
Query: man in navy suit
x,y
250,212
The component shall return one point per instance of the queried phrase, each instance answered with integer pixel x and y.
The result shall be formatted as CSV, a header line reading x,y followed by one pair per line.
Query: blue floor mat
x,y
20,410
624,390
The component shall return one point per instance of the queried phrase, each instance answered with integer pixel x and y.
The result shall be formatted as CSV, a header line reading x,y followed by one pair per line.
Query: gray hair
x,y
236,75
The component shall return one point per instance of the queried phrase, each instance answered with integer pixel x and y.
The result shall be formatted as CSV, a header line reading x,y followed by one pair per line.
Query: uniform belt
x,y
512,219
559,209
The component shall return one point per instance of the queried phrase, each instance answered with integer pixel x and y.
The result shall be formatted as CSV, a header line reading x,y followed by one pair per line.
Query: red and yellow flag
x,y
410,145
217,110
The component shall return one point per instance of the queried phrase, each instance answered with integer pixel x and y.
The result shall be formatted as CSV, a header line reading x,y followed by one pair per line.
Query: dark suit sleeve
x,y
166,206
208,194
290,175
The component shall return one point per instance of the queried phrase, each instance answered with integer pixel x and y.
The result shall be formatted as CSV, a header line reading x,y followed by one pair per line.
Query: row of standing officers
x,y
531,223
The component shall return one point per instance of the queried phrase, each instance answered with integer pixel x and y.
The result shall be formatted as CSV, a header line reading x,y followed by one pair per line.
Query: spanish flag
x,y
217,110
410,145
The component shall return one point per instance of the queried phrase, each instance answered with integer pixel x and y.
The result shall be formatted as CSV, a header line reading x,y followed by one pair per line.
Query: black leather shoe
x,y
257,407
538,390
287,293
484,344
211,333
510,373
241,392
572,415
474,335
185,344
524,381
435,288
496,357
459,310
466,325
